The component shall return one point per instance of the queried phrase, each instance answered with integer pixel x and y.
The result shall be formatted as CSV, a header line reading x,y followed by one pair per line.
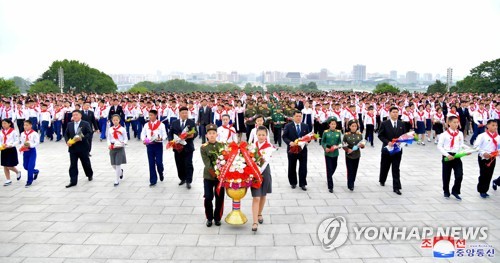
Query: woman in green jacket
x,y
352,142
331,142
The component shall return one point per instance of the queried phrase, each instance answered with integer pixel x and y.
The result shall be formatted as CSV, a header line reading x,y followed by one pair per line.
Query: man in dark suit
x,y
464,114
295,130
391,129
80,149
184,157
116,109
88,116
204,115
299,105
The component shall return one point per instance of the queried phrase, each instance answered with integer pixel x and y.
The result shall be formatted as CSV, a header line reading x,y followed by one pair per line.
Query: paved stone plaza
x,y
96,222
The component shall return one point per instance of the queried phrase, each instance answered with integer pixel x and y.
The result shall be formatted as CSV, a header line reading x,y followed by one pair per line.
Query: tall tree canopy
x,y
8,87
484,78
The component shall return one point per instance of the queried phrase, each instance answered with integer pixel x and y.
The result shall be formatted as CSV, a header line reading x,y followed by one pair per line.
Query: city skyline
x,y
129,38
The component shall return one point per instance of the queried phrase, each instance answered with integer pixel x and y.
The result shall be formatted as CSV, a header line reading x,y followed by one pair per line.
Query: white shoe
x,y
423,143
429,139
435,142
7,183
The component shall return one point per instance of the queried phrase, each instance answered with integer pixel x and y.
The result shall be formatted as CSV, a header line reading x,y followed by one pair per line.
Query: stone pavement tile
x,y
315,252
31,208
234,253
84,260
125,218
179,240
333,209
5,216
88,209
166,228
258,239
173,210
114,252
59,208
287,219
92,218
361,209
142,239
31,216
74,251
153,252
276,253
127,228
396,250
62,217
216,240
6,236
126,261
34,237
43,260
384,260
9,225
292,240
8,249
69,238
11,259
156,219
200,253
99,227
36,250
415,216
340,260
303,228
202,228
65,227
384,217
357,251
300,210
105,239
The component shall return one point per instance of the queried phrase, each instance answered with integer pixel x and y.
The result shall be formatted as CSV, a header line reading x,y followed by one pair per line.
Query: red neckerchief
x,y
455,113
9,131
130,108
192,110
337,112
116,131
220,113
7,112
439,115
102,109
353,115
264,146
421,115
153,127
371,116
43,111
408,115
229,129
386,109
428,112
317,112
472,108
20,112
27,134
57,111
453,135
498,114
492,136
325,111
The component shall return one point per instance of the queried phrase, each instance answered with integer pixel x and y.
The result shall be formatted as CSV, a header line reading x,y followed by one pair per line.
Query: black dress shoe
x,y
90,155
188,186
121,176
293,186
151,185
182,182
70,185
397,192
35,176
209,223
330,190
382,184
91,178
217,223
350,188
161,177
303,188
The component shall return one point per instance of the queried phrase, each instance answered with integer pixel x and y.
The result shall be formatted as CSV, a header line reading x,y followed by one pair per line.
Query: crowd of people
x,y
344,121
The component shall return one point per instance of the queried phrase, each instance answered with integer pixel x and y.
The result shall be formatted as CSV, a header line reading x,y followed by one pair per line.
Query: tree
x,y
385,88
44,86
311,86
249,89
437,87
8,88
80,76
22,84
484,78
138,89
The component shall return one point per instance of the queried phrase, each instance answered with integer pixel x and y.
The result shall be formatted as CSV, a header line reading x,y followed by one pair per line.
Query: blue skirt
x,y
420,127
428,124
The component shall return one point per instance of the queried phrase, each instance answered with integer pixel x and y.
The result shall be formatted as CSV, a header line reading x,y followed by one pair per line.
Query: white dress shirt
x,y
485,143
445,142
9,139
32,137
226,134
121,134
158,132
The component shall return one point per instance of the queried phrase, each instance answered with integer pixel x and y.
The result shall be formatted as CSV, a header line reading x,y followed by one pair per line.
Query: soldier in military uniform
x,y
210,182
266,113
352,143
289,111
250,113
278,122
331,142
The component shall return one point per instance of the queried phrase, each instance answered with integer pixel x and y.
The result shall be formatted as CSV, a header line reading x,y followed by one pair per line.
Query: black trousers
x,y
352,170
360,119
386,162
203,132
277,135
90,141
292,168
407,125
377,119
184,164
485,174
210,192
456,166
249,130
331,166
369,133
73,168
20,125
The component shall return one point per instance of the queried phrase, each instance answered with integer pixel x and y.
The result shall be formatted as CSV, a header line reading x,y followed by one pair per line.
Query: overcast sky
x,y
249,36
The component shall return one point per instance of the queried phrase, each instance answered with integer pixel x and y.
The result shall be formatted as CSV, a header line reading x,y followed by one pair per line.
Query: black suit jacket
x,y
464,115
300,105
84,144
204,116
90,118
386,132
175,128
118,111
290,134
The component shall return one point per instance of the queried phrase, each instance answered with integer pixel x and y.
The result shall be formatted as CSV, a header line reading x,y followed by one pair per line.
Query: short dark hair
x,y
297,111
78,111
183,109
28,121
491,121
154,112
393,108
262,128
452,118
9,122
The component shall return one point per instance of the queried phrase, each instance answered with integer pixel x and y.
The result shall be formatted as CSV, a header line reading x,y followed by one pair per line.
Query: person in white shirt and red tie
x,y
370,124
30,140
488,144
9,138
450,143
117,139
479,117
226,133
153,135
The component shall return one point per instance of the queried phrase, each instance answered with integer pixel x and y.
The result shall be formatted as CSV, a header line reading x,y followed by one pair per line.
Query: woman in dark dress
x,y
9,138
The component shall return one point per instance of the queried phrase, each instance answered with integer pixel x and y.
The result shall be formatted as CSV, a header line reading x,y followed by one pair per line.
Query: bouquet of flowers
x,y
147,141
180,140
407,138
235,167
466,150
3,147
301,142
73,140
493,155
25,147
115,145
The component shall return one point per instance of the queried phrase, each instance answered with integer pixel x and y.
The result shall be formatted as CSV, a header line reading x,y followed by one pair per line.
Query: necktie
x,y
183,122
86,113
394,125
298,130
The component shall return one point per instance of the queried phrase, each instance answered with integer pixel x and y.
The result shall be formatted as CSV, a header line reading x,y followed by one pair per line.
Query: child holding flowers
x,y
29,141
117,139
331,142
9,139
352,143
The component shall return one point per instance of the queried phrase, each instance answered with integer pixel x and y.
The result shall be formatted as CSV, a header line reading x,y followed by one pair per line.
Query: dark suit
x,y
88,116
290,135
184,158
464,116
386,134
79,150
204,117
117,111
299,105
